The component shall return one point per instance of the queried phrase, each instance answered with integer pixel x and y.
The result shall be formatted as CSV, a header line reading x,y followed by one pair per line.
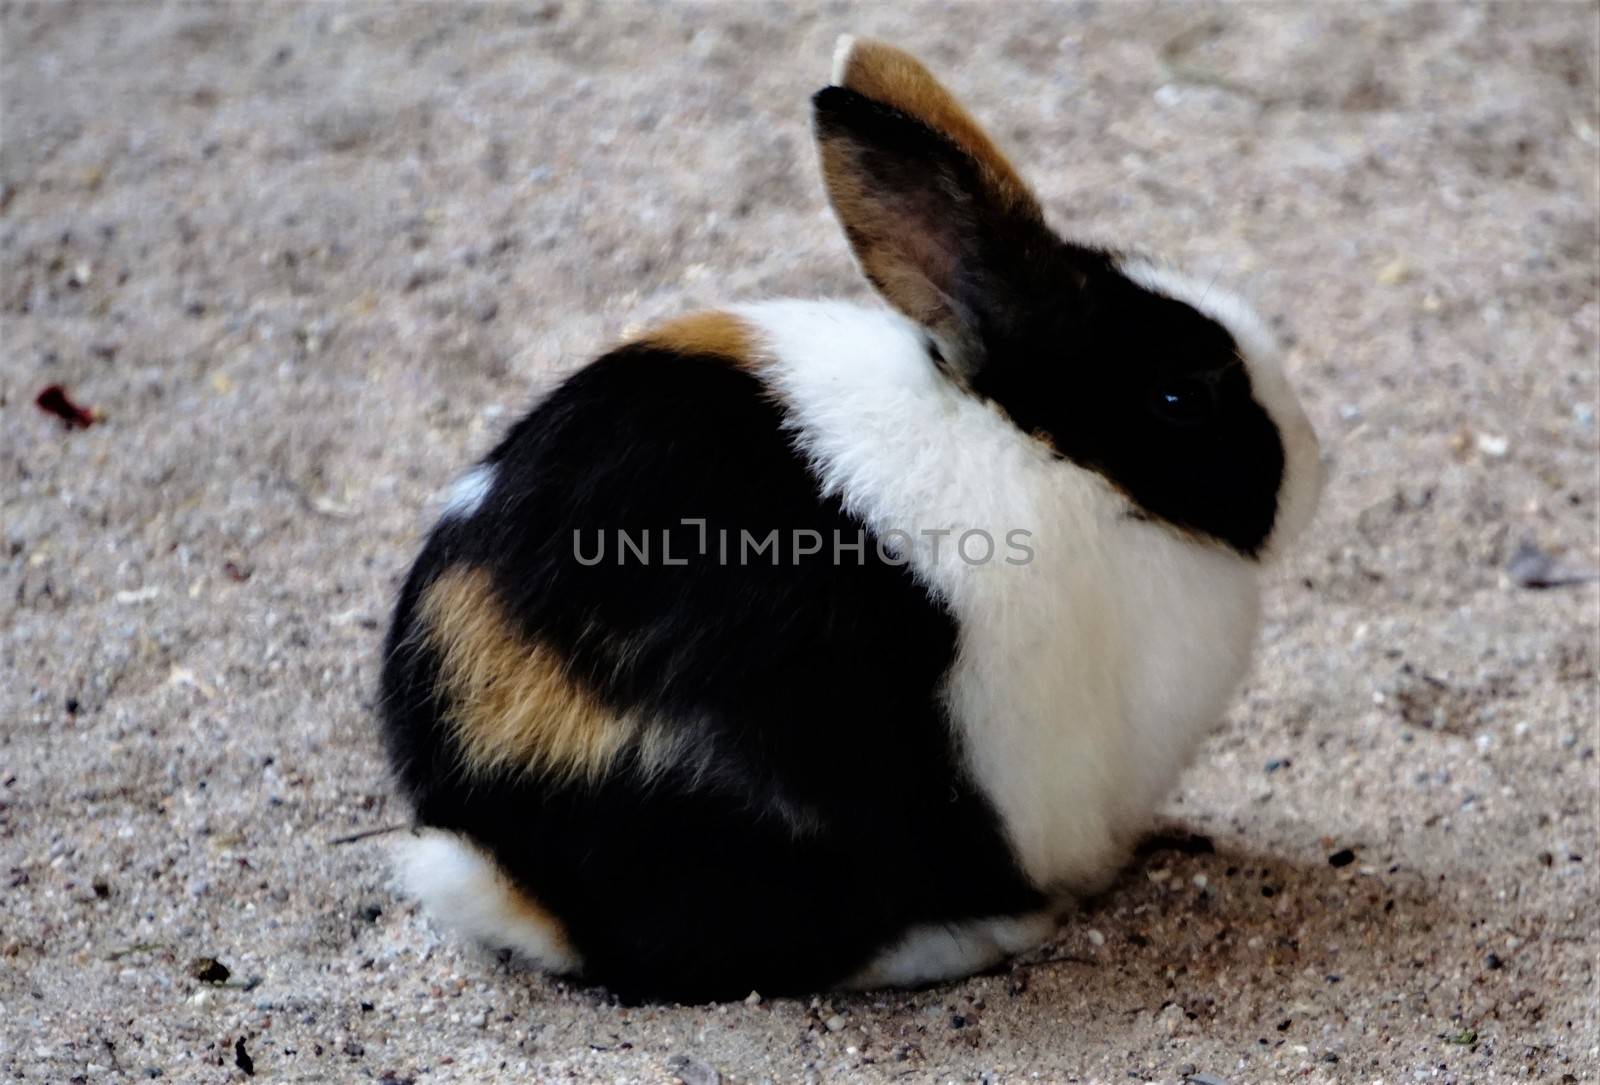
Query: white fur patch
x,y
1302,468
945,951
842,49
466,494
461,887
1085,678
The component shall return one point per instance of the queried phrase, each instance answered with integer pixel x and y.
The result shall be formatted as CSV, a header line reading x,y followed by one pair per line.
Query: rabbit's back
x,y
702,748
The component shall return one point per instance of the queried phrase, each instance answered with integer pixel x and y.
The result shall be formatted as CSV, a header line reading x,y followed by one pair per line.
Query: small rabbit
x,y
813,644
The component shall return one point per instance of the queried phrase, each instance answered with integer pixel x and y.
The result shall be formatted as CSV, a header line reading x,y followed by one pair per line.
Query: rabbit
x,y
808,645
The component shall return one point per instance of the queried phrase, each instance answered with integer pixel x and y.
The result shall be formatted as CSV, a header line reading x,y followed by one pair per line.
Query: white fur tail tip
x,y
461,887
841,57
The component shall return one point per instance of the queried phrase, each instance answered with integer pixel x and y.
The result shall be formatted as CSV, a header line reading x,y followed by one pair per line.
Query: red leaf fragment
x,y
54,400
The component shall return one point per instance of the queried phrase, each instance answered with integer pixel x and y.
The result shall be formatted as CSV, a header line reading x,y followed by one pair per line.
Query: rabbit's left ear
x,y
895,78
940,222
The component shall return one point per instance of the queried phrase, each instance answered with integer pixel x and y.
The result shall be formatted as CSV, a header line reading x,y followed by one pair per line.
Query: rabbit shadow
x,y
1189,913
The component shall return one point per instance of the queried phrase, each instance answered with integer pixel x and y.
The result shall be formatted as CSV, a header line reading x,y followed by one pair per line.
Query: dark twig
x,y
365,833
139,947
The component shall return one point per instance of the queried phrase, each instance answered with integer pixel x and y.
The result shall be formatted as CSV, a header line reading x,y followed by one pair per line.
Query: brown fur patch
x,y
896,78
511,701
528,910
906,267
720,334
909,266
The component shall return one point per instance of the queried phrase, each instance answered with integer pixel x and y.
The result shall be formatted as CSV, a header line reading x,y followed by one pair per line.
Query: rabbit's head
x,y
1168,388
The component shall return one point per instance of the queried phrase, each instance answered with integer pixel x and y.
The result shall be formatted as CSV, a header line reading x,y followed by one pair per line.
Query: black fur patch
x,y
1143,389
817,808
1146,391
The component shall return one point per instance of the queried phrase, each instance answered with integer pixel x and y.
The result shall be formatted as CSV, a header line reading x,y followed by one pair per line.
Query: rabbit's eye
x,y
1184,401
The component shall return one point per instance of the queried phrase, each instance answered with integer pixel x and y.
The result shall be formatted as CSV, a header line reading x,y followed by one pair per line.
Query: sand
x,y
307,260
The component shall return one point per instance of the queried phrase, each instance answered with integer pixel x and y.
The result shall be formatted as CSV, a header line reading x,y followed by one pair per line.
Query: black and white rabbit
x,y
812,643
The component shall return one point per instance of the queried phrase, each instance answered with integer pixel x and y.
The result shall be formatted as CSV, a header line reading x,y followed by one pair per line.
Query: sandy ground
x,y
307,260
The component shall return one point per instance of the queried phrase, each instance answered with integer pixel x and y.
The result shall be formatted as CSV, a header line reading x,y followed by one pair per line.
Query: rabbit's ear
x,y
939,221
897,79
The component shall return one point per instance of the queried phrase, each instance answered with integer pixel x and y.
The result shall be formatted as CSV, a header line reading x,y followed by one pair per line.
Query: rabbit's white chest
x,y
1088,669
1084,685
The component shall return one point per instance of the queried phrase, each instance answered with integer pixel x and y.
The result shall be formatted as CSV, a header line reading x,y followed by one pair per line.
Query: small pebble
x,y
209,970
1172,1018
1342,857
1096,938
1394,273
834,1023
1493,446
